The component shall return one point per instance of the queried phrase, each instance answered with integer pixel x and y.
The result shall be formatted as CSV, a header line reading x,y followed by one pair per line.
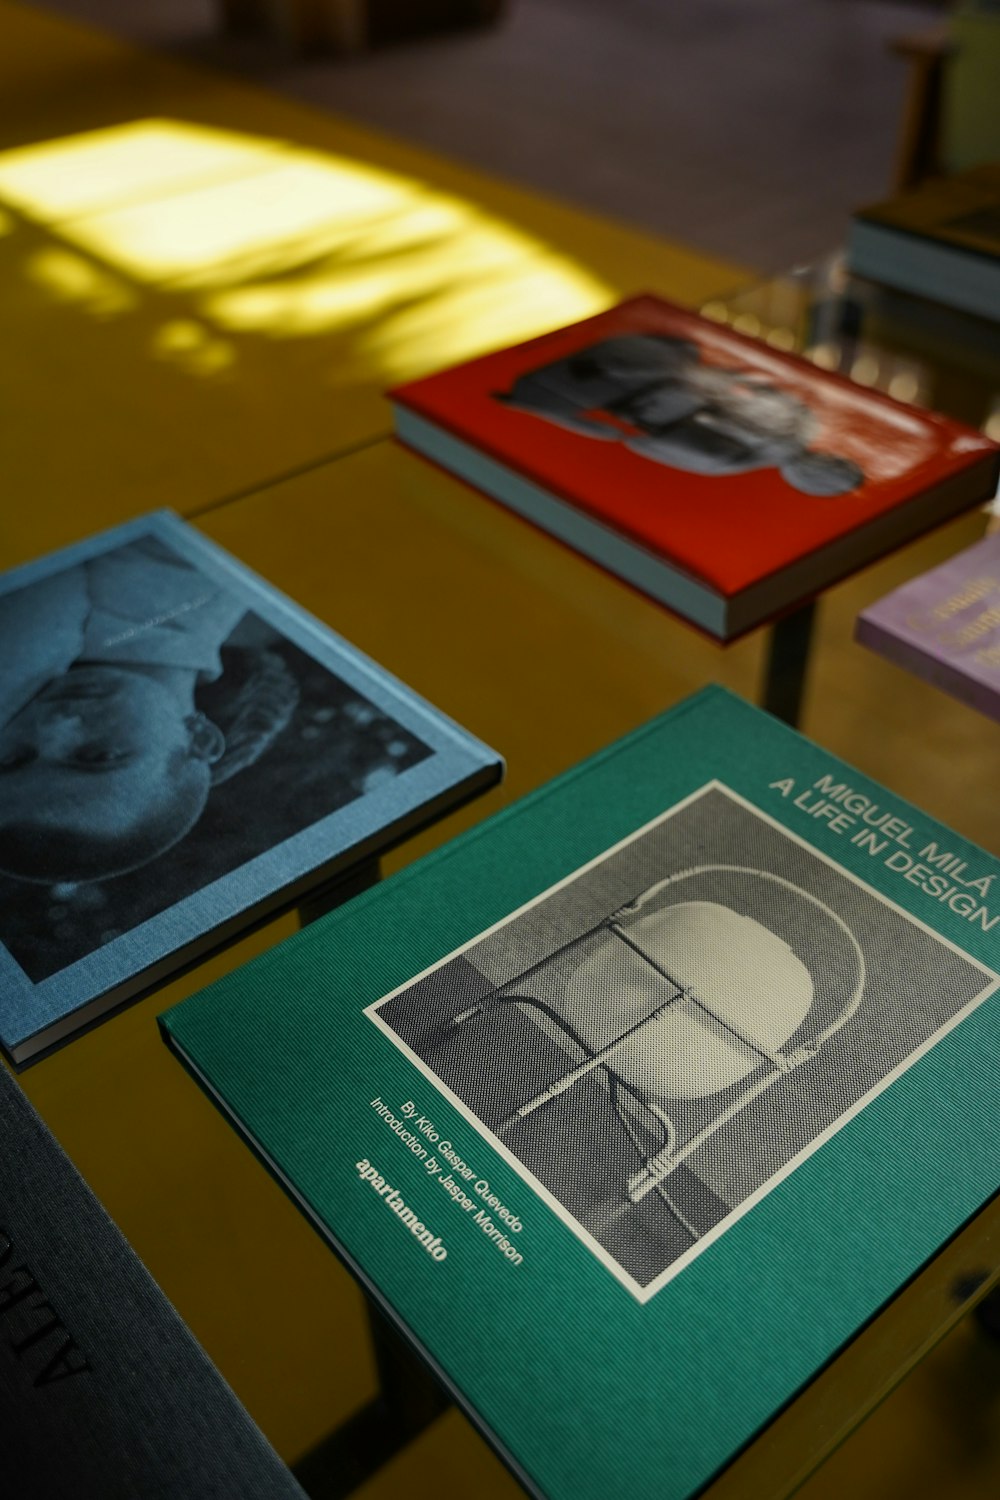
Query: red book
x,y
726,479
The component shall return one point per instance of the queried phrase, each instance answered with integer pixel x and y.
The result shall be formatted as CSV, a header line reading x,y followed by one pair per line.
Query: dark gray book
x,y
104,1393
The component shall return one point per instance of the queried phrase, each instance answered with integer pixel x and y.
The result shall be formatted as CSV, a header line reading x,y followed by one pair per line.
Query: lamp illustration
x,y
687,1003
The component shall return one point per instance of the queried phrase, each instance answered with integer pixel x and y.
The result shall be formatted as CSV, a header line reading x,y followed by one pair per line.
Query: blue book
x,y
184,751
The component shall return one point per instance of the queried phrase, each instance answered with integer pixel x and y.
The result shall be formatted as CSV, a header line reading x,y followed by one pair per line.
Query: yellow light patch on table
x,y
285,243
101,170
205,286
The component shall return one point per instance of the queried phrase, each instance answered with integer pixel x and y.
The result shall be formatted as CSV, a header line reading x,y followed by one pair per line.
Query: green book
x,y
633,1104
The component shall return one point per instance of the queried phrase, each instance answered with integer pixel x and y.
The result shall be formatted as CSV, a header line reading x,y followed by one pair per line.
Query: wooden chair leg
x,y
919,144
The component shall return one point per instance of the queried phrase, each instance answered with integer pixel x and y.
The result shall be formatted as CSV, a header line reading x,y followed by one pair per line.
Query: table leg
x,y
987,1314
409,1400
787,661
410,1392
339,890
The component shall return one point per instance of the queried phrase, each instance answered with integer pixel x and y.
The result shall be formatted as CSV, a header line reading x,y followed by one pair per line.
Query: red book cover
x,y
746,470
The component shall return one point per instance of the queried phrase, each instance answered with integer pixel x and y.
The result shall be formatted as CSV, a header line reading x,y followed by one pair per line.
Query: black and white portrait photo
x,y
658,397
654,1042
156,733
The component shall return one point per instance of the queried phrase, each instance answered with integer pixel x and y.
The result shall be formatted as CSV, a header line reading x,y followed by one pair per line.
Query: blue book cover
x,y
183,750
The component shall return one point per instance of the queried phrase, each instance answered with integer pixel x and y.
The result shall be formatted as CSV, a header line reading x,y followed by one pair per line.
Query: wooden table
x,y
544,655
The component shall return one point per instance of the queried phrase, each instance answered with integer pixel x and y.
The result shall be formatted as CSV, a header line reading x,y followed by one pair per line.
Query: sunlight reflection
x,y
717,311
827,356
865,369
184,342
106,169
254,224
904,385
267,239
72,278
528,298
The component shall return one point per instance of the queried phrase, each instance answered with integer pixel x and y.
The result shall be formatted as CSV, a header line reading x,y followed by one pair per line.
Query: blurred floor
x,y
749,129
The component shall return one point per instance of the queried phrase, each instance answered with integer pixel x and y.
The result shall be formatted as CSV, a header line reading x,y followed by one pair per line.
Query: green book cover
x,y
635,1102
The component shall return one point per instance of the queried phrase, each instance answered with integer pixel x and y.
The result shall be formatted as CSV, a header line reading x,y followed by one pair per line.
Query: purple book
x,y
945,626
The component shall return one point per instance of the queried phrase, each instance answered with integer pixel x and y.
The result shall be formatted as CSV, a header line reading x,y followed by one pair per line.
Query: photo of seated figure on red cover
x,y
656,396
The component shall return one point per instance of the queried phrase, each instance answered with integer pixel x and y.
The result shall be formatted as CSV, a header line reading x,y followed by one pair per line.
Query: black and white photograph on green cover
x,y
659,1039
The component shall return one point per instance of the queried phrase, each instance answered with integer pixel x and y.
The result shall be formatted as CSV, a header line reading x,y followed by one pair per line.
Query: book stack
x,y
940,240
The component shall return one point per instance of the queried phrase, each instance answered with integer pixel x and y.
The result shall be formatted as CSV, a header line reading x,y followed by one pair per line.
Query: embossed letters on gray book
x,y
104,1394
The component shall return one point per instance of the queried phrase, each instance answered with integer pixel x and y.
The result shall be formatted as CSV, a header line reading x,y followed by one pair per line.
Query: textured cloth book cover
x,y
182,749
945,626
104,1394
724,477
634,1103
